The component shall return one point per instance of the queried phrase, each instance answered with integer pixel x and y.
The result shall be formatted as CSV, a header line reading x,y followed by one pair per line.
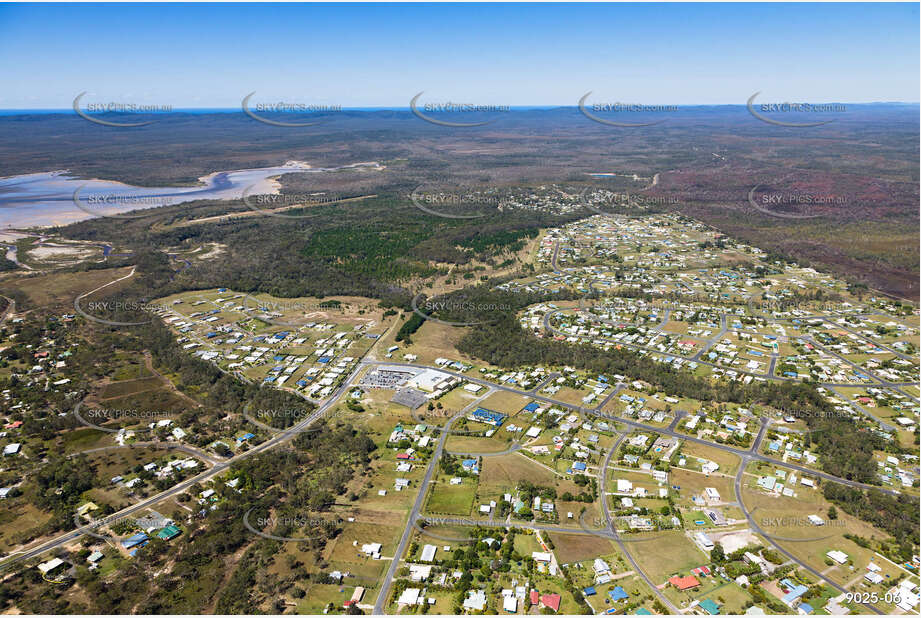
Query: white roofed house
x,y
600,566
838,556
428,553
410,596
476,600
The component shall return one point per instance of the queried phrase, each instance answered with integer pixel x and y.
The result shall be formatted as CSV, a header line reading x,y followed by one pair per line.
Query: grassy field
x,y
727,461
17,518
693,483
505,402
577,547
663,554
447,499
785,520
504,471
498,442
58,291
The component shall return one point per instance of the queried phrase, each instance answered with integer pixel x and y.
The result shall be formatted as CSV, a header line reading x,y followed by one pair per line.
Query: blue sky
x,y
211,55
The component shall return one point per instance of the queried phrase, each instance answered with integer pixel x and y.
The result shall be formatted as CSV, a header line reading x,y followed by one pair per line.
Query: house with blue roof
x,y
794,592
133,541
470,465
490,417
579,466
804,609
532,407
590,591
618,594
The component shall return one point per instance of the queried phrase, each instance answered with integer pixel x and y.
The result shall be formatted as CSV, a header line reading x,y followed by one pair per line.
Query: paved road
x,y
610,526
552,329
553,259
489,523
868,340
617,388
758,530
177,489
173,446
662,430
550,378
417,507
516,446
712,341
864,411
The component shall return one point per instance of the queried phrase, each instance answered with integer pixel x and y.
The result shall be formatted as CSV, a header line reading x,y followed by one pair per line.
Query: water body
x,y
47,198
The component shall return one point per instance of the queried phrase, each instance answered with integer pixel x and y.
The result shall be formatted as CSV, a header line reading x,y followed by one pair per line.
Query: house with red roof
x,y
535,598
702,571
684,583
551,600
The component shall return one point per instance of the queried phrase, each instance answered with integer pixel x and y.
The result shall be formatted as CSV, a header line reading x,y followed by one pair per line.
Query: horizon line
x,y
522,106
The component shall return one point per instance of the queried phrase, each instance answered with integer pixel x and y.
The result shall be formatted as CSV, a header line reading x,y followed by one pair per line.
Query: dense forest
x,y
373,248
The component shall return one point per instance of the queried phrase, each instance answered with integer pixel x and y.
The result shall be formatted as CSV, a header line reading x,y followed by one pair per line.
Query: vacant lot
x,y
663,554
58,291
575,547
447,499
